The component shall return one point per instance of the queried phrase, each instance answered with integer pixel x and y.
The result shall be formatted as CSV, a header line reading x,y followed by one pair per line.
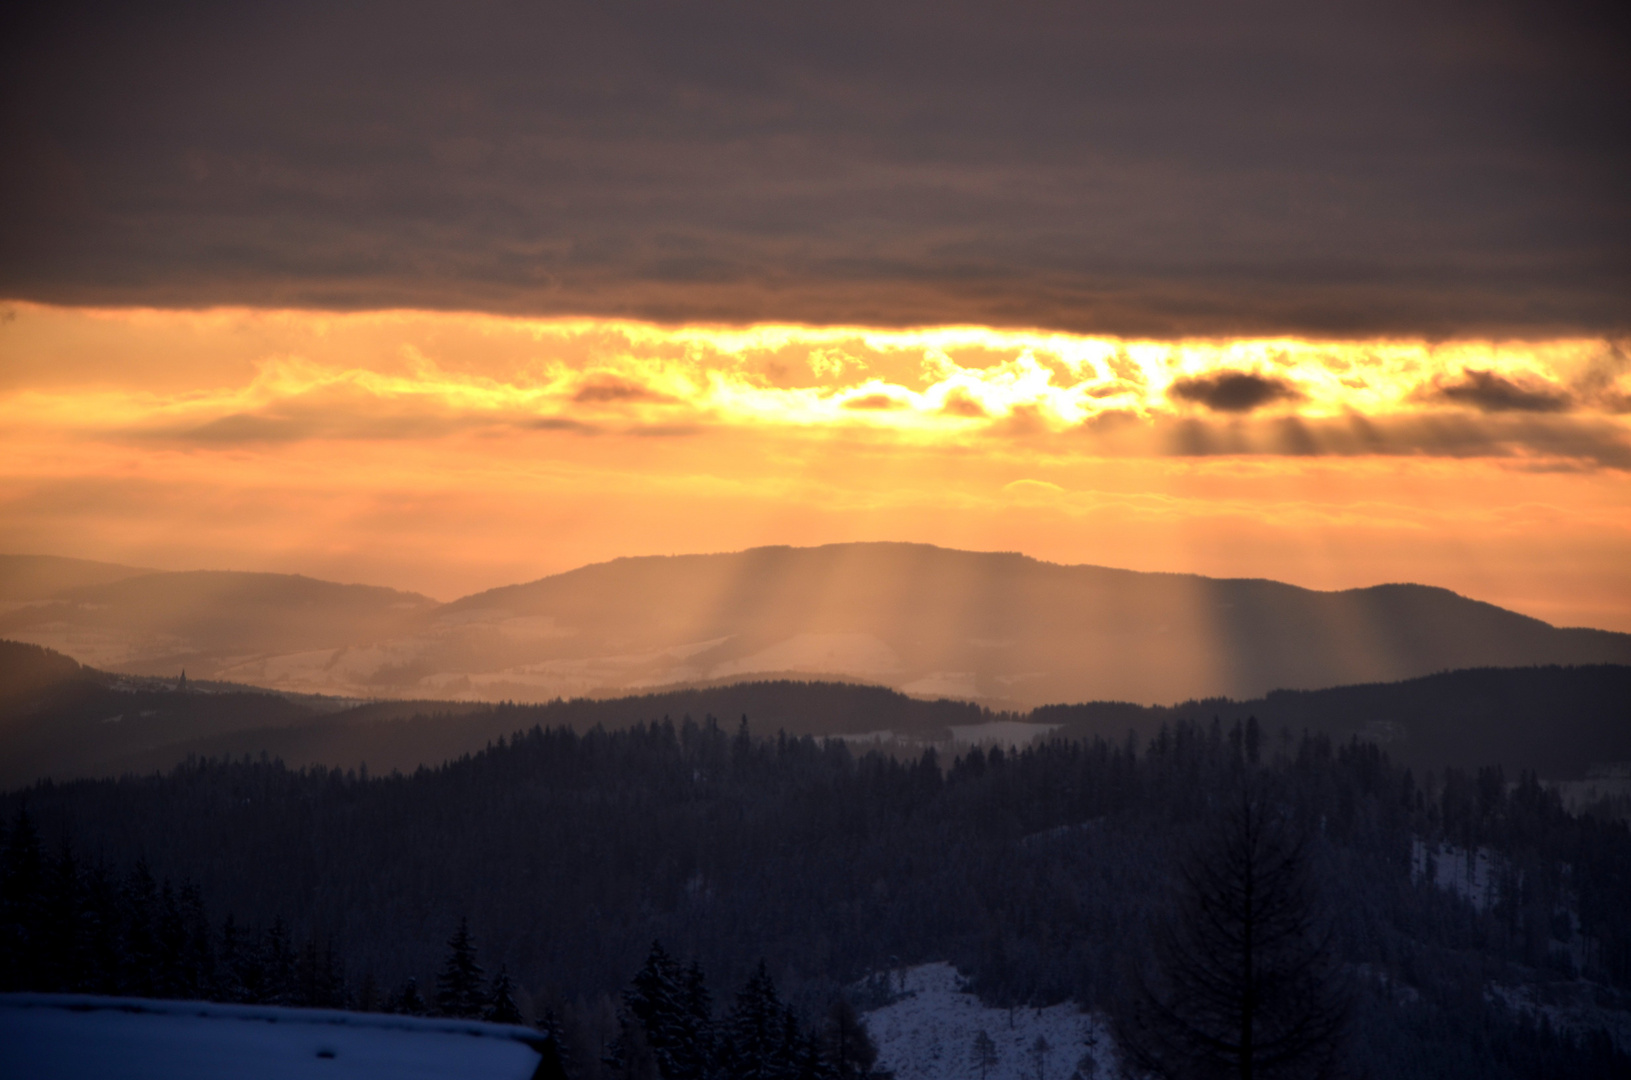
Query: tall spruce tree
x,y
755,1033
695,1051
668,1008
459,983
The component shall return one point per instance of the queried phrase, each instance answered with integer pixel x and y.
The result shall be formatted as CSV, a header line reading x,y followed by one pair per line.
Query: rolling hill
x,y
999,629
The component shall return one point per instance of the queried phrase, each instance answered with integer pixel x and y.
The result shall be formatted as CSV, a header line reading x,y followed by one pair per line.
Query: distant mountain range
x,y
994,628
63,721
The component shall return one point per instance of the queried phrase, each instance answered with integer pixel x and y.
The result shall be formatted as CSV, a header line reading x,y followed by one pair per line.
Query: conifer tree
x,y
458,985
368,993
321,980
140,955
501,1007
670,1006
848,1046
756,1036
278,963
406,1001
695,1052
22,878
198,944
231,957
62,926
631,1057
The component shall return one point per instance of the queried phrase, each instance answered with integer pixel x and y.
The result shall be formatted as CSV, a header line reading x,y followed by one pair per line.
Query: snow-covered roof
x,y
52,1036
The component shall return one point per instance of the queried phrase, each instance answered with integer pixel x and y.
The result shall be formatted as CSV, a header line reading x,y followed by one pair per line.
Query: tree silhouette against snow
x,y
985,1053
849,1047
1245,982
406,1000
501,1008
1039,1056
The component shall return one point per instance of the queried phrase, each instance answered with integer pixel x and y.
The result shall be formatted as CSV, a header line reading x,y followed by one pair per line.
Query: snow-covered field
x,y
929,1034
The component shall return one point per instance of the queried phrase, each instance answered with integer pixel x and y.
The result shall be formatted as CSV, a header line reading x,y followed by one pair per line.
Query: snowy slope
x,y
929,1033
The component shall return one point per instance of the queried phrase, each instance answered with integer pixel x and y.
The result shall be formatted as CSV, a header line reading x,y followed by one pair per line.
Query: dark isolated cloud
x,y
959,404
610,391
1233,391
1356,167
873,401
1490,392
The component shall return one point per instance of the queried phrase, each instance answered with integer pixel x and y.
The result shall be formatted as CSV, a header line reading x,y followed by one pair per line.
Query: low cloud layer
x,y
1354,169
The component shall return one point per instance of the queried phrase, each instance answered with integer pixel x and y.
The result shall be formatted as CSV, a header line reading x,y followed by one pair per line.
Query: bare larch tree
x,y
1244,981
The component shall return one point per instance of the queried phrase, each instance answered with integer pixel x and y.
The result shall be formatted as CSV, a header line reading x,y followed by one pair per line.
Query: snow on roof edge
x,y
275,1014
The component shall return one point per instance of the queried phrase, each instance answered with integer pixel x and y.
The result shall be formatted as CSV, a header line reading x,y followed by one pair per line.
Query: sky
x,y
450,296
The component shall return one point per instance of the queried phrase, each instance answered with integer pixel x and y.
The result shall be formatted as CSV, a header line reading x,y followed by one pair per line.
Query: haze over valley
x,y
995,628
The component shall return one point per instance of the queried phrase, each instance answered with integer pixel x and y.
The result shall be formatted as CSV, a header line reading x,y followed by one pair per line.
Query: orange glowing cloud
x,y
446,452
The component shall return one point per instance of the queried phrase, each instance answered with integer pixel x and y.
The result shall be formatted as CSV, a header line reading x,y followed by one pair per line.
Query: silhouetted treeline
x,y
66,927
1553,721
1035,872
667,1029
70,928
61,721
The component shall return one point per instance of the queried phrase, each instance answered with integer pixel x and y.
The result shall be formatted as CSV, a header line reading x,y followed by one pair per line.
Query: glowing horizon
x,y
445,452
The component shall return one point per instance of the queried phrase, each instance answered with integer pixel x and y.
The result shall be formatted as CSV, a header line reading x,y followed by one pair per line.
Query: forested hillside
x,y
1554,721
1035,872
62,721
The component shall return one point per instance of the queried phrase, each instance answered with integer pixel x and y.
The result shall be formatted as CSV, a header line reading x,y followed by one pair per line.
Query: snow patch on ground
x,y
929,1032
1001,732
1471,875
1575,1008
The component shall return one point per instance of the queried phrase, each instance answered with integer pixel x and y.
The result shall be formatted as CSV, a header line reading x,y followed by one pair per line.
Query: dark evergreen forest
x,y
792,869
63,721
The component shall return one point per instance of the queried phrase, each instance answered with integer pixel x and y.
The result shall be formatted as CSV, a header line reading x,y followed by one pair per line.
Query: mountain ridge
x,y
1000,628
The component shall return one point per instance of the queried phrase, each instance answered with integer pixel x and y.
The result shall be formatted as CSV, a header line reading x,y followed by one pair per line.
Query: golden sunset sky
x,y
451,296
449,452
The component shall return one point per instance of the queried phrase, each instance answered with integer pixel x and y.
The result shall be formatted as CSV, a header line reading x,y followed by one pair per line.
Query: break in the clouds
x,y
1354,169
406,376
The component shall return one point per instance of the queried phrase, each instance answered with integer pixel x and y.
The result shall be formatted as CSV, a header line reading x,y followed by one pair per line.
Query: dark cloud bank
x,y
1346,168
